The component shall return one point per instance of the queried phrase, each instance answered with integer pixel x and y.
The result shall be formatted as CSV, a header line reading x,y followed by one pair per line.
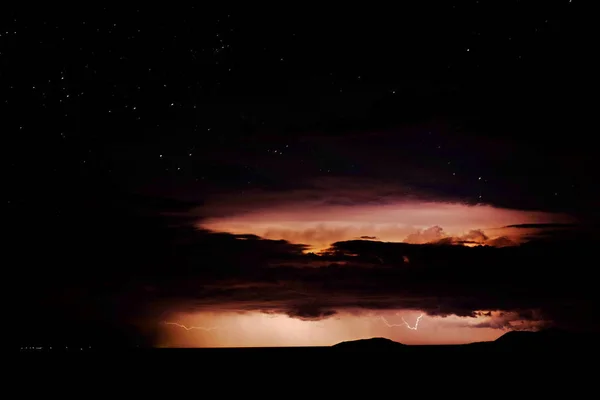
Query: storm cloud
x,y
125,291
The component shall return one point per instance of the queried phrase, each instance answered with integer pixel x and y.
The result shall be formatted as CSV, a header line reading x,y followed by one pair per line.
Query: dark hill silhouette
x,y
374,344
517,337
549,340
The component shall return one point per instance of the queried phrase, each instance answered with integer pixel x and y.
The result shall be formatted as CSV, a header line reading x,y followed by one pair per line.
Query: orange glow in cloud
x,y
256,329
319,225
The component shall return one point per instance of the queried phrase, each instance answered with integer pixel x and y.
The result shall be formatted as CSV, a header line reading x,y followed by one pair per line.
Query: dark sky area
x,y
124,127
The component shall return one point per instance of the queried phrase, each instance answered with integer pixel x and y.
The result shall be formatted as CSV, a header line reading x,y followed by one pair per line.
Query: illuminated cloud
x,y
341,211
429,235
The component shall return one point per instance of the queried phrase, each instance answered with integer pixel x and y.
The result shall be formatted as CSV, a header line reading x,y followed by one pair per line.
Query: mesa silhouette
x,y
548,340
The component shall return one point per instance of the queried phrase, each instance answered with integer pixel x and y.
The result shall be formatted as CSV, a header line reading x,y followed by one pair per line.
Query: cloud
x,y
310,312
540,226
515,282
528,320
369,237
475,235
428,235
436,234
324,211
501,241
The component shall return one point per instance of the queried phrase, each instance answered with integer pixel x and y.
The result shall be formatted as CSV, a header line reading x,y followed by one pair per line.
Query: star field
x,y
185,102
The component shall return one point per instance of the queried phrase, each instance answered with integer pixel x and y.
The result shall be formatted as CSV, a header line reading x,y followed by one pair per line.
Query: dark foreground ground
x,y
541,360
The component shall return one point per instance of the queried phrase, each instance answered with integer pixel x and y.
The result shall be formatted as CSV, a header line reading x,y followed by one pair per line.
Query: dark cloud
x,y
310,312
541,226
552,235
322,191
519,320
369,237
501,241
440,280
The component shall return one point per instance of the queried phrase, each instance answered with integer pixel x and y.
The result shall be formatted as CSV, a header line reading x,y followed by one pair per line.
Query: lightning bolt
x,y
404,323
414,328
190,328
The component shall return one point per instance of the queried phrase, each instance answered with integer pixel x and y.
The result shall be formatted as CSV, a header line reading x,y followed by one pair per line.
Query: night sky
x,y
176,174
